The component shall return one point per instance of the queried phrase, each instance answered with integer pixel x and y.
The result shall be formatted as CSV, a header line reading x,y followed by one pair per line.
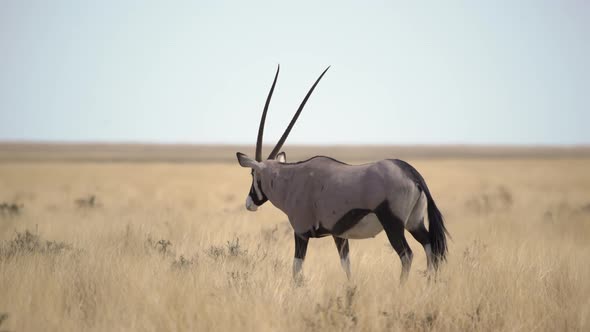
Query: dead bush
x,y
86,202
232,249
30,243
183,263
238,279
163,246
10,209
498,199
338,313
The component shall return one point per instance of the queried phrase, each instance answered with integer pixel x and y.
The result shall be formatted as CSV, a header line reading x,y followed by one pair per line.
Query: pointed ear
x,y
246,161
282,157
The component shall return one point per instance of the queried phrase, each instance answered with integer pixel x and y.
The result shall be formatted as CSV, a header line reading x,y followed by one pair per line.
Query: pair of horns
x,y
279,145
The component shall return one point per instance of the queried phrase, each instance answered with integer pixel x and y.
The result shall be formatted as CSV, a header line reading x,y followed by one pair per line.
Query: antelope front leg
x,y
301,242
342,246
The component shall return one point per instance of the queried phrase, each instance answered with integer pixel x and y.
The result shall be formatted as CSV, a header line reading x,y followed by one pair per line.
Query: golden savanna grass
x,y
170,246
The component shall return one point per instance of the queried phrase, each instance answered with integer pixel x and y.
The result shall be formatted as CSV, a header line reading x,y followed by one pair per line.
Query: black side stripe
x,y
349,220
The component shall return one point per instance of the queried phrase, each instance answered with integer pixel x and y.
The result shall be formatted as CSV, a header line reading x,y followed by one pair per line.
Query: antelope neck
x,y
276,179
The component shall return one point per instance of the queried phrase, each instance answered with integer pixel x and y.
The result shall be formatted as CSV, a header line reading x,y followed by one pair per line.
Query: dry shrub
x,y
3,317
231,249
10,209
565,210
337,313
497,200
183,263
28,242
162,247
86,202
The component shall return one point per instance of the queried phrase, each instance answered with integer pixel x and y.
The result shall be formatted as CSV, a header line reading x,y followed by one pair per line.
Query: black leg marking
x,y
394,228
421,235
301,242
342,246
300,251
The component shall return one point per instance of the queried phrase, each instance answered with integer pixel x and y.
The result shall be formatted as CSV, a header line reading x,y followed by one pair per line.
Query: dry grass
x,y
170,247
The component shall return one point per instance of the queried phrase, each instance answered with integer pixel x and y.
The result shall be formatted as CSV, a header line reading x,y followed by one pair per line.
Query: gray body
x,y
317,193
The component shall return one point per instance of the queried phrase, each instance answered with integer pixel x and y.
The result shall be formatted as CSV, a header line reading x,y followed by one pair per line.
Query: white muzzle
x,y
250,204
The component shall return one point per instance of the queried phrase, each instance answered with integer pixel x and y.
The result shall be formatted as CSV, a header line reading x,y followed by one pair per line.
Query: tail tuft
x,y
437,232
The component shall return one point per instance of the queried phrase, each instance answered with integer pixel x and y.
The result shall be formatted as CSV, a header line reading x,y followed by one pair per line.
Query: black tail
x,y
437,231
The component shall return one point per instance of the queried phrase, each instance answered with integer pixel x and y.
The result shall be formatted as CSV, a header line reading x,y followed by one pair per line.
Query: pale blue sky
x,y
198,72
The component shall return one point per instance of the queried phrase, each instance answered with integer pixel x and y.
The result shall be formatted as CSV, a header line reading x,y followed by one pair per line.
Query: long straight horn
x,y
263,119
279,145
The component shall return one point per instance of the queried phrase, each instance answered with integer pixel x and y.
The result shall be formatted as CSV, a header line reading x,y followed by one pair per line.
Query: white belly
x,y
367,227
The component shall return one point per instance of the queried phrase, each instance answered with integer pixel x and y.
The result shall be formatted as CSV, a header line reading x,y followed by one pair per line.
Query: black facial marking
x,y
254,197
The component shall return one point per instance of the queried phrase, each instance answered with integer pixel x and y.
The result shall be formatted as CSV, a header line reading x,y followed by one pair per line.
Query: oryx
x,y
322,196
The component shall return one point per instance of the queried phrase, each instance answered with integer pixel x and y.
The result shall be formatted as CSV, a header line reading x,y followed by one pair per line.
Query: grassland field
x,y
156,239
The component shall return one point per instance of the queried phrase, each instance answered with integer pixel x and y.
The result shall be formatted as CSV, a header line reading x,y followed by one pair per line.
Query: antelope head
x,y
256,196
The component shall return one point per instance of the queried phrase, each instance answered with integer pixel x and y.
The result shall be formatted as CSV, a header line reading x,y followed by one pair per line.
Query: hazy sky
x,y
199,72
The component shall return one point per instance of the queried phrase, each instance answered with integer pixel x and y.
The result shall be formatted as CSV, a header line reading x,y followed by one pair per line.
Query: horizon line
x,y
186,143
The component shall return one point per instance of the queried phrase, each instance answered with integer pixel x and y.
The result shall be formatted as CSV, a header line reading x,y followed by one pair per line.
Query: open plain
x,y
137,238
